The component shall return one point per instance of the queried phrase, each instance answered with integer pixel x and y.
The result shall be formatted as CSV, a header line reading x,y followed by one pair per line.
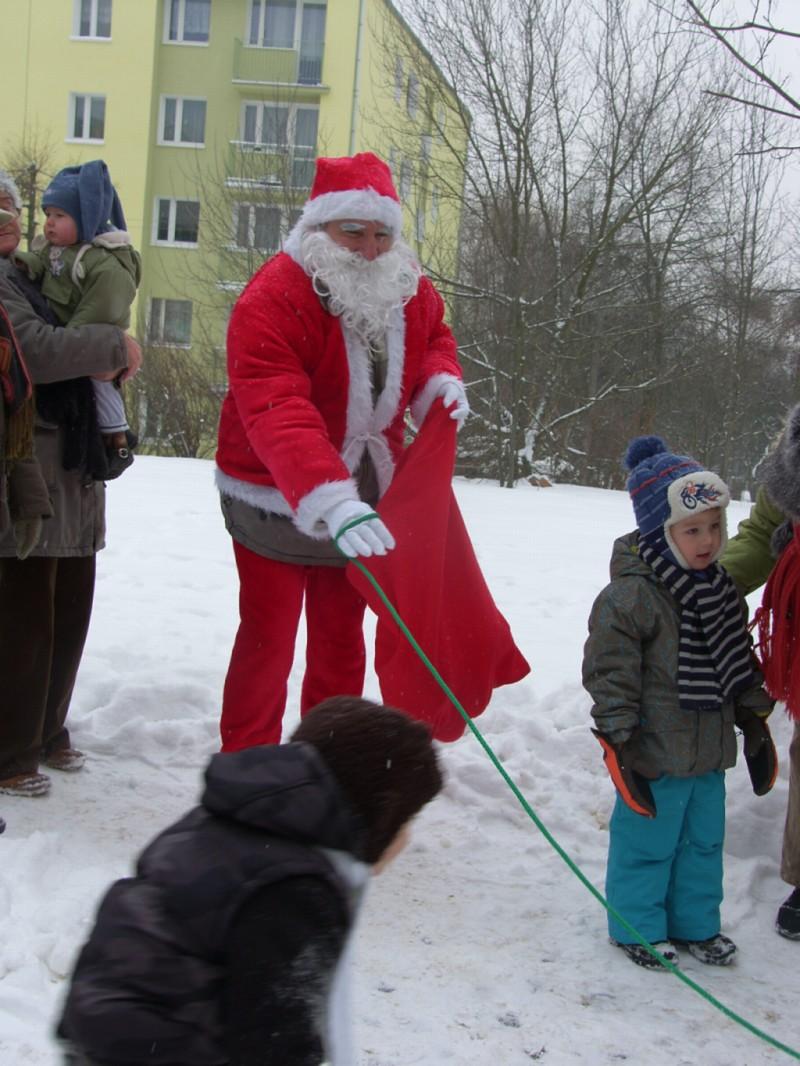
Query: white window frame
x,y
419,224
170,241
161,311
433,208
89,98
182,26
251,227
76,21
298,19
412,95
405,179
441,121
291,124
179,102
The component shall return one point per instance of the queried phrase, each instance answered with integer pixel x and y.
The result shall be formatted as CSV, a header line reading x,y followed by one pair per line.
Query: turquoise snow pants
x,y
664,874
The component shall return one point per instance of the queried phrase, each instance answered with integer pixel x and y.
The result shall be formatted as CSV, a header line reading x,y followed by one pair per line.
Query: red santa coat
x,y
299,412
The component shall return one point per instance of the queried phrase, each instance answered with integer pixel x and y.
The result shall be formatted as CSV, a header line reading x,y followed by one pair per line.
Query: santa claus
x,y
329,345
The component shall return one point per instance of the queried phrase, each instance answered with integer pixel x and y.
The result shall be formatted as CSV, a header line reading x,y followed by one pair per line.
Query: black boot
x,y
788,920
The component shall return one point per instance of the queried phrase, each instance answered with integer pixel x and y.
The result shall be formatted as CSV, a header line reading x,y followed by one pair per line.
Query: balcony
x,y
269,166
269,67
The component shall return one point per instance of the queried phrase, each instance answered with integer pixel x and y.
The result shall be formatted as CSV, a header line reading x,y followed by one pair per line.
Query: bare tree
x,y
585,137
750,42
30,162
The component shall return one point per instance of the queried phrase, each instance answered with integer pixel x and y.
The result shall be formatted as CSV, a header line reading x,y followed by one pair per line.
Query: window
x,y
425,143
284,128
87,117
420,225
91,18
434,205
312,44
170,322
187,21
176,221
272,23
398,80
412,95
440,122
257,227
183,121
405,180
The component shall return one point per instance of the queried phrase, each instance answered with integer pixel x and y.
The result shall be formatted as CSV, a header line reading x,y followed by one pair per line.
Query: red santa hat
x,y
357,186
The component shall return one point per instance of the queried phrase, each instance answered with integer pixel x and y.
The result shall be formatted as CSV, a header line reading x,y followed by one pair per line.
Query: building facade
x,y
209,114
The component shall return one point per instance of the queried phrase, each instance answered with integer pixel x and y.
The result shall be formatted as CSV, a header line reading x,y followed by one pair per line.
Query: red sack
x,y
433,580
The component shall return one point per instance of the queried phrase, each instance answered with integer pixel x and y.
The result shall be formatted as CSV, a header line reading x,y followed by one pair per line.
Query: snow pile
x,y
479,947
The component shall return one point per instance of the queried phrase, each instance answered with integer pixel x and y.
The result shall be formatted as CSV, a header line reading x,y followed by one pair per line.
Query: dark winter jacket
x,y
222,948
77,527
630,669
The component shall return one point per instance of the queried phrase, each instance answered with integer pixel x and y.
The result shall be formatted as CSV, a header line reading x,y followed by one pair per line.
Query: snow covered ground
x,y
479,947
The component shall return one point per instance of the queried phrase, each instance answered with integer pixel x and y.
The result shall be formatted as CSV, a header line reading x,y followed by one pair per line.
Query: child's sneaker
x,y
119,453
639,954
718,950
788,920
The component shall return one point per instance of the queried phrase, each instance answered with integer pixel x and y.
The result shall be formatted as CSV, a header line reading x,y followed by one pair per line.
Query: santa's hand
x,y
453,396
368,536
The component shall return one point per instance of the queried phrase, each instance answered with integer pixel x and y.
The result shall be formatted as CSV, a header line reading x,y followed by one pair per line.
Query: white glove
x,y
367,538
453,395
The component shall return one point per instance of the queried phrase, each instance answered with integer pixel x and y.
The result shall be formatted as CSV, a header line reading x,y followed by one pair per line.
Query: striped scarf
x,y
714,647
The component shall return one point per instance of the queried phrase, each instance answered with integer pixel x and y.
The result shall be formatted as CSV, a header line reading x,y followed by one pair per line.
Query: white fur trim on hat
x,y
364,204
691,495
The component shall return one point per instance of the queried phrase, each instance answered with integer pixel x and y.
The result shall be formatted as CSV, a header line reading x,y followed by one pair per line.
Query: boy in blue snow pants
x,y
669,667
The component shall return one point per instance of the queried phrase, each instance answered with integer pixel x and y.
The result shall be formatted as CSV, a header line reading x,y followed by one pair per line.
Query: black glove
x,y
759,754
633,788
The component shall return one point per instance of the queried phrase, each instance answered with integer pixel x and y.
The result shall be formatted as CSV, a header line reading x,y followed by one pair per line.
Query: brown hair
x,y
383,761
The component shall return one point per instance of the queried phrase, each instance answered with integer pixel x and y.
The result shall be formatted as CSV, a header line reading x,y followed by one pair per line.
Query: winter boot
x,y
639,954
66,759
27,784
2,825
718,950
788,920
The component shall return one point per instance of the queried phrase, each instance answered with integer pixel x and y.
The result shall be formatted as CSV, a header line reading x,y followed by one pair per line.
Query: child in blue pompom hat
x,y
89,272
669,666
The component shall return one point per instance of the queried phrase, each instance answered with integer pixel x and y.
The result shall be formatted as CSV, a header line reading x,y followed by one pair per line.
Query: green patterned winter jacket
x,y
630,669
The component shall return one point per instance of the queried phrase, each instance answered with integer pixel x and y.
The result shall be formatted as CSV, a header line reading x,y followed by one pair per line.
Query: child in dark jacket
x,y
668,664
229,946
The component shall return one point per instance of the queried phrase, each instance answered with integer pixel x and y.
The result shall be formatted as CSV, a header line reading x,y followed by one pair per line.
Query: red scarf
x,y
778,621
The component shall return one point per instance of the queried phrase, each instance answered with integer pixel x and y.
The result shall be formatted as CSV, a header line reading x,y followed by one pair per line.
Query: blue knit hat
x,y
666,488
86,194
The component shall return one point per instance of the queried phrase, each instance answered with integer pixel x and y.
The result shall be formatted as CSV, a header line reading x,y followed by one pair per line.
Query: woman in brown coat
x,y
46,598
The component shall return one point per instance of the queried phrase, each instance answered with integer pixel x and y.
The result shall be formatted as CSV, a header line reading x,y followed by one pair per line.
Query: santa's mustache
x,y
362,292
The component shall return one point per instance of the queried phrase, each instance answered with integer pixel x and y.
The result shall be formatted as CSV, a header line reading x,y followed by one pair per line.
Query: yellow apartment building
x,y
209,114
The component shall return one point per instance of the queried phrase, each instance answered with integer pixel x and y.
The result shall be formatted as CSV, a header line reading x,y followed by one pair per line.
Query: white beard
x,y
362,292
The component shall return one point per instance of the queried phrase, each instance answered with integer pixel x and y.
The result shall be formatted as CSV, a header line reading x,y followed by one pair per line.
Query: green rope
x,y
538,822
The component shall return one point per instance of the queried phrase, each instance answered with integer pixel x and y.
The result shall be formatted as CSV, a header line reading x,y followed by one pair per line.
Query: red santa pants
x,y
270,602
